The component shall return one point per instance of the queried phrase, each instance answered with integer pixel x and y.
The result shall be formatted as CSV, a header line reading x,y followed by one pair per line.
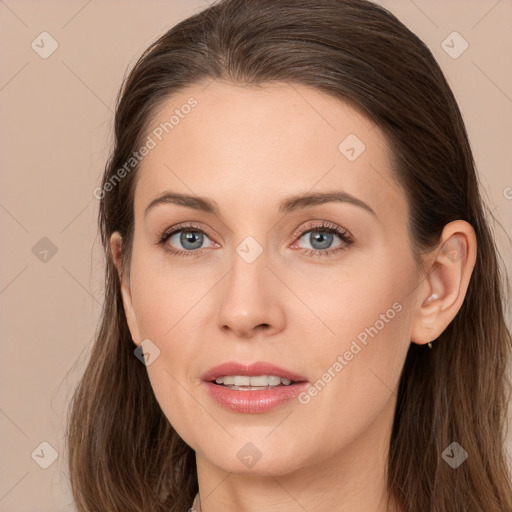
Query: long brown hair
x,y
123,453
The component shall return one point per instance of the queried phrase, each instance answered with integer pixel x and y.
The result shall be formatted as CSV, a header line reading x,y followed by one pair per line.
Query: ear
x,y
115,247
446,283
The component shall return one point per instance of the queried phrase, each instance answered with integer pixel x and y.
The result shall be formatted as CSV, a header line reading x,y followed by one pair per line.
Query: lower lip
x,y
255,401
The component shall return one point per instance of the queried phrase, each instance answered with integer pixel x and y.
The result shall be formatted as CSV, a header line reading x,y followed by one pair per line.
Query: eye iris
x,y
323,237
188,236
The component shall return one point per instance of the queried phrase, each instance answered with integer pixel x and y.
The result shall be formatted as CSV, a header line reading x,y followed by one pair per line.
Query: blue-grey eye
x,y
189,240
321,238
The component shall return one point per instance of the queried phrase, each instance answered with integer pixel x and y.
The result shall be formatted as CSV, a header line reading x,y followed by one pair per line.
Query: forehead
x,y
255,145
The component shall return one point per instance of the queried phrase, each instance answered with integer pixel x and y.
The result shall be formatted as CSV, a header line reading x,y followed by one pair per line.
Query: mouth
x,y
252,382
252,388
246,375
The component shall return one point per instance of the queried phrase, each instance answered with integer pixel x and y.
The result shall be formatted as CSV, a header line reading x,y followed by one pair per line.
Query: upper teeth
x,y
246,380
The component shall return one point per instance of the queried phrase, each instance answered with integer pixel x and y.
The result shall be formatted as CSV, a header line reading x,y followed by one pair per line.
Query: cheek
x,y
364,300
358,365
177,400
168,309
163,295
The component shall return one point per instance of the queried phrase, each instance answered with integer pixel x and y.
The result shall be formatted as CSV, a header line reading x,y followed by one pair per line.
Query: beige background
x,y
56,129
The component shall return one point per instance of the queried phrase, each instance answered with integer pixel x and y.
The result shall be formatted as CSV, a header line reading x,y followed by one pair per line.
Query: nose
x,y
252,299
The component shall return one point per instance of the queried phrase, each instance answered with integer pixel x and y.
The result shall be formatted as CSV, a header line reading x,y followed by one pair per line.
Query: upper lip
x,y
251,369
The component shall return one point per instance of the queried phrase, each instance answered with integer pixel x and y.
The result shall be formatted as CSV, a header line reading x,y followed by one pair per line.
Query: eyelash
x,y
322,227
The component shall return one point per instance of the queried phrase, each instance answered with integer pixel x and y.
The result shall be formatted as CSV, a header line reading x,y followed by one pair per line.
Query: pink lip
x,y
255,401
252,369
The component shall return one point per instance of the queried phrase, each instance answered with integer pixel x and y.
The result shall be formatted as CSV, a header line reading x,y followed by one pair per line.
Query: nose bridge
x,y
250,297
247,281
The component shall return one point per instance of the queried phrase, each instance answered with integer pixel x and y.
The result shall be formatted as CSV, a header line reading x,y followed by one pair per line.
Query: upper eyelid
x,y
322,225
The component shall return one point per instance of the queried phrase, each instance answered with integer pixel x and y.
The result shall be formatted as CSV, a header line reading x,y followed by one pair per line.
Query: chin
x,y
248,460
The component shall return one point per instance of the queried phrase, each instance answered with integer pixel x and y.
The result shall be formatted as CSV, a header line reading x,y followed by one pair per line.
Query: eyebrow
x,y
290,204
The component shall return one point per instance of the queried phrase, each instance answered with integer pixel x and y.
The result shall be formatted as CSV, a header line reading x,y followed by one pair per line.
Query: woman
x,y
303,307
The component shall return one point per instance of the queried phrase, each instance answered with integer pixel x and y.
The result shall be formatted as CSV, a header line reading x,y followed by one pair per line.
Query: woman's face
x,y
266,278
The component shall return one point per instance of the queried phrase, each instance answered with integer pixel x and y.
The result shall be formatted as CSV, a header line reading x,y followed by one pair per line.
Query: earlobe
x,y
115,248
447,280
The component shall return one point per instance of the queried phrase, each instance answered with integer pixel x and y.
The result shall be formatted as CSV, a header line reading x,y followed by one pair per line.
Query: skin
x,y
248,148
